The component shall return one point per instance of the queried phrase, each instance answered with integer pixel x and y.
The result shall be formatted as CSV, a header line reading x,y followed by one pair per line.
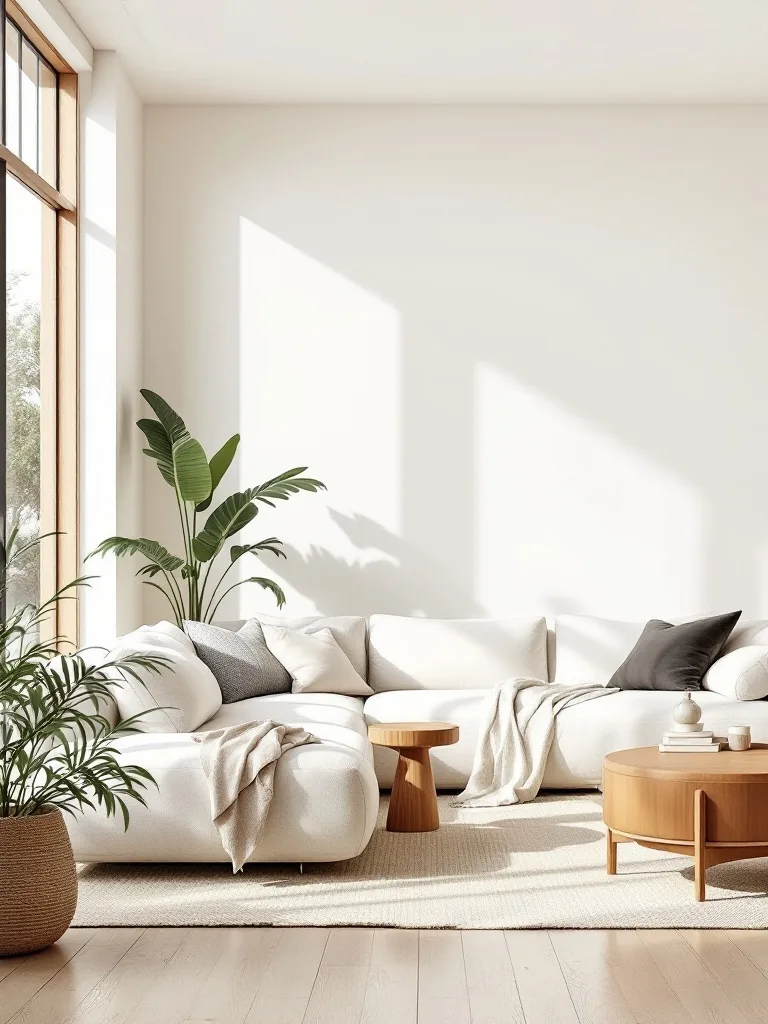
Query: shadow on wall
x,y
524,368
403,582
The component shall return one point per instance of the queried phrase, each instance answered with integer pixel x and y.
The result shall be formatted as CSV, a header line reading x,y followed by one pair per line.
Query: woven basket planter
x,y
38,882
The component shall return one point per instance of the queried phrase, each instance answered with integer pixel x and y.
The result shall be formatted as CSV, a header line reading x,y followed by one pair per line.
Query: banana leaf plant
x,y
192,583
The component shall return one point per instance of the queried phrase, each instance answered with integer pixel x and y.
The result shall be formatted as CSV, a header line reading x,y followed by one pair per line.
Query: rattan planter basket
x,y
38,882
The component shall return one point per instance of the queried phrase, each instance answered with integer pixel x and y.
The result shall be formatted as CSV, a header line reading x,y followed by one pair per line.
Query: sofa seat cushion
x,y
324,807
584,733
445,654
304,709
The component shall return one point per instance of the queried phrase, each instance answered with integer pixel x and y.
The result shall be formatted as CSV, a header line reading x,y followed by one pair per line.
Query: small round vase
x,y
687,712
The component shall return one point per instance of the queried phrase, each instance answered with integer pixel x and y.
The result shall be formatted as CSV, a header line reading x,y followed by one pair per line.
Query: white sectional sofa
x,y
326,794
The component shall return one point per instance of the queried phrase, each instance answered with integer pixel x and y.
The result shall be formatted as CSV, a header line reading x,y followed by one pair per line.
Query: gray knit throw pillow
x,y
241,662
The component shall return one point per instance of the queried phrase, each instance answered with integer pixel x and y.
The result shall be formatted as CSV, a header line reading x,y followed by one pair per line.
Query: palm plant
x,y
57,748
187,582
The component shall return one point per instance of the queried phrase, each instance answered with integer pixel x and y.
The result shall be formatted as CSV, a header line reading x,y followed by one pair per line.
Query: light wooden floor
x,y
380,976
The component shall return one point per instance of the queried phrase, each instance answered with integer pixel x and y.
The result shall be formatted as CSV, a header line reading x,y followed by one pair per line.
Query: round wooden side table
x,y
413,801
713,807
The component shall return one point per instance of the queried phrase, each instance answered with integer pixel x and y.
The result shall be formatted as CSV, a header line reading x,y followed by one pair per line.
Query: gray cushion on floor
x,y
241,662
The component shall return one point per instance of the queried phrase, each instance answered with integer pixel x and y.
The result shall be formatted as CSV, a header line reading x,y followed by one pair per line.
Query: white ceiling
x,y
443,51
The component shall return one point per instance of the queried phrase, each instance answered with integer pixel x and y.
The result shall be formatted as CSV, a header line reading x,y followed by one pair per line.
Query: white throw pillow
x,y
315,661
740,675
186,689
348,632
410,653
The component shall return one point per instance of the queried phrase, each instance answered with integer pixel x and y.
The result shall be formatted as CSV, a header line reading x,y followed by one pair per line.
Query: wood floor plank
x,y
753,944
694,985
293,969
493,997
541,986
391,993
78,977
117,995
742,981
278,1010
443,995
594,991
175,991
232,985
348,947
338,996
646,990
8,965
37,970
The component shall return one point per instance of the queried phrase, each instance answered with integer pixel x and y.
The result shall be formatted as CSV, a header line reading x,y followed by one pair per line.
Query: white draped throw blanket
x,y
515,739
239,764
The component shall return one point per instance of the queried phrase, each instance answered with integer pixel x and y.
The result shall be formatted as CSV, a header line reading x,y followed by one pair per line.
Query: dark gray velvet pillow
x,y
241,662
668,657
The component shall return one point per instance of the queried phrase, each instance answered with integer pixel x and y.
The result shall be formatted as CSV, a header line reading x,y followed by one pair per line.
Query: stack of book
x,y
700,742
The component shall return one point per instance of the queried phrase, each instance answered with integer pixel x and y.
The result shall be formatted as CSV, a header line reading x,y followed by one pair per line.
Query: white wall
x,y
111,344
525,348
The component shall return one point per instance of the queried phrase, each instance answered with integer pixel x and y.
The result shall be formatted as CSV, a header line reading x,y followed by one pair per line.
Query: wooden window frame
x,y
59,428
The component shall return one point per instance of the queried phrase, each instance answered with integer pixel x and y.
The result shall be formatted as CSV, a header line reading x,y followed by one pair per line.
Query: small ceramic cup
x,y
739,737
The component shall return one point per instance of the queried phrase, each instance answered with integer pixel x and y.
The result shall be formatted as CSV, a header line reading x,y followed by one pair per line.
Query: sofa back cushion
x,y
179,698
348,632
449,654
590,649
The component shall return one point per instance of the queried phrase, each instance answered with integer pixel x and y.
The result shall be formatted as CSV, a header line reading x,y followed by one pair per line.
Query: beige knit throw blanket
x,y
239,764
515,739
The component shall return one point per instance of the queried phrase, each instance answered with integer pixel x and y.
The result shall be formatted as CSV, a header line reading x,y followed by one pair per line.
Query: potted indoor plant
x,y
190,581
57,756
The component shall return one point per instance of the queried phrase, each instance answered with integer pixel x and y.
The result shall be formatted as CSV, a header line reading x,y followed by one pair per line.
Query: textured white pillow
x,y
315,661
740,675
411,653
187,689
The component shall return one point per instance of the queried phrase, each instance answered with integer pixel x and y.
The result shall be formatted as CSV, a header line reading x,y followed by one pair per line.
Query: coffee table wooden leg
x,y
610,852
413,802
700,843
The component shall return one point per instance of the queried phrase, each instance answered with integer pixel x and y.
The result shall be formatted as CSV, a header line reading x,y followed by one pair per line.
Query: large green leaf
x,y
121,546
171,421
219,464
283,486
160,448
232,515
191,470
180,458
271,544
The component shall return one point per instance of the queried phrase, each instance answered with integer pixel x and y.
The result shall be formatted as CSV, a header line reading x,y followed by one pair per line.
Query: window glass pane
x,y
47,98
29,64
30,311
12,40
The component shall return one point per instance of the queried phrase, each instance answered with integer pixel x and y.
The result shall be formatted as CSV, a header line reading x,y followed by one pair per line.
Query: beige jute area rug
x,y
538,865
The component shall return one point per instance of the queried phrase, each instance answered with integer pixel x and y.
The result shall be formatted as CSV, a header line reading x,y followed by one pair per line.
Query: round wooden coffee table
x,y
713,807
413,801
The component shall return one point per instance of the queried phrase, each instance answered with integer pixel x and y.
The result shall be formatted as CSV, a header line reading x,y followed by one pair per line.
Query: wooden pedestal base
x,y
413,802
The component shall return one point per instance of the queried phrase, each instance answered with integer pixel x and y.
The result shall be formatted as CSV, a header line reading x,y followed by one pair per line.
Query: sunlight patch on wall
x,y
569,519
98,373
319,387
